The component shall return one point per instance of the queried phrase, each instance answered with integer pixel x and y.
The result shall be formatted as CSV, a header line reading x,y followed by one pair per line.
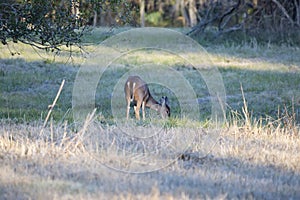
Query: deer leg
x,y
127,108
134,108
143,109
137,110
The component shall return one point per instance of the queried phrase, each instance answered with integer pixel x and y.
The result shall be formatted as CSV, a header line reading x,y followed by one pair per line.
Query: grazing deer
x,y
137,91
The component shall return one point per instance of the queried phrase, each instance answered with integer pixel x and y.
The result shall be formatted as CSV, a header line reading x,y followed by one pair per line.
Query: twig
x,y
78,138
89,119
53,104
245,108
34,48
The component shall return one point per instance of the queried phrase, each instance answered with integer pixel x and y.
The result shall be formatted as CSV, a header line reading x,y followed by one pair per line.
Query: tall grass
x,y
245,144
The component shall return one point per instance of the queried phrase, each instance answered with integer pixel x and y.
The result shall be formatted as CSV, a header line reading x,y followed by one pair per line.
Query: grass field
x,y
255,154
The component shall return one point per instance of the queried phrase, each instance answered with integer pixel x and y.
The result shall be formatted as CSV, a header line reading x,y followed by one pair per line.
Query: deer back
x,y
136,89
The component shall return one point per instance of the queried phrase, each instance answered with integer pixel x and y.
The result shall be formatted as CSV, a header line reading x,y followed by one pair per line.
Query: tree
x,y
192,13
43,24
51,24
249,16
142,12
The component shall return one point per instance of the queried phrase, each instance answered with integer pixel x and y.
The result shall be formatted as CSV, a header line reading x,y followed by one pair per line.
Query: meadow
x,y
253,154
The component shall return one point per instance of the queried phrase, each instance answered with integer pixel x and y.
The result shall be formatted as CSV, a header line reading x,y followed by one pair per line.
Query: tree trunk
x,y
160,6
95,18
75,8
297,8
192,13
184,13
255,3
142,12
176,9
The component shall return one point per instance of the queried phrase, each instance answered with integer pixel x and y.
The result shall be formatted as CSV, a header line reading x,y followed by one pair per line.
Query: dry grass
x,y
248,160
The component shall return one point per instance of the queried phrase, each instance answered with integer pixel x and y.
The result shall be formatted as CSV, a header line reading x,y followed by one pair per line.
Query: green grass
x,y
269,76
27,88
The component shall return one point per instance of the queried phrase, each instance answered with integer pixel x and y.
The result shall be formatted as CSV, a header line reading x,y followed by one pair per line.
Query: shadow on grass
x,y
210,177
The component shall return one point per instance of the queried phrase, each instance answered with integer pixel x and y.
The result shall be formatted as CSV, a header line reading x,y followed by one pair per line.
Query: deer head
x,y
164,108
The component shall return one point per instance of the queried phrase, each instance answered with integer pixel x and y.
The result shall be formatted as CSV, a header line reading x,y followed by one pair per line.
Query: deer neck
x,y
153,104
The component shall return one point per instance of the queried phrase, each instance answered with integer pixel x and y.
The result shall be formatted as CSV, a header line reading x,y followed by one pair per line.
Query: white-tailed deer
x,y
137,91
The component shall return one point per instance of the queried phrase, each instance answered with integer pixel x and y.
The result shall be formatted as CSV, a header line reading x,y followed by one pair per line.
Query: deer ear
x,y
164,100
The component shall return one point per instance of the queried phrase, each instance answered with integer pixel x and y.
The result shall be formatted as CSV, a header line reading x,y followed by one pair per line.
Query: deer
x,y
137,91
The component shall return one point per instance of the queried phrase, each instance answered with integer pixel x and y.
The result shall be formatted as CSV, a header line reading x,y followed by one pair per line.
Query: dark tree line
x,y
52,24
271,16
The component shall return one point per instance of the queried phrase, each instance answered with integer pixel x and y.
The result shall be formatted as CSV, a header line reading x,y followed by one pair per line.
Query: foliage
x,y
49,25
154,18
52,24
272,19
267,20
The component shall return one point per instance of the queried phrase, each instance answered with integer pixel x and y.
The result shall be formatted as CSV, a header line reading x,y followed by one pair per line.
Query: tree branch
x,y
284,11
229,12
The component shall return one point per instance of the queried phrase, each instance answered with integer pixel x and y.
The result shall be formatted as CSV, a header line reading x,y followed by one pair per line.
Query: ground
x,y
254,153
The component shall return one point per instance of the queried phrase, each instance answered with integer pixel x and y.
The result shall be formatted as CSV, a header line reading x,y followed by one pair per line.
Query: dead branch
x,y
284,11
231,11
53,104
